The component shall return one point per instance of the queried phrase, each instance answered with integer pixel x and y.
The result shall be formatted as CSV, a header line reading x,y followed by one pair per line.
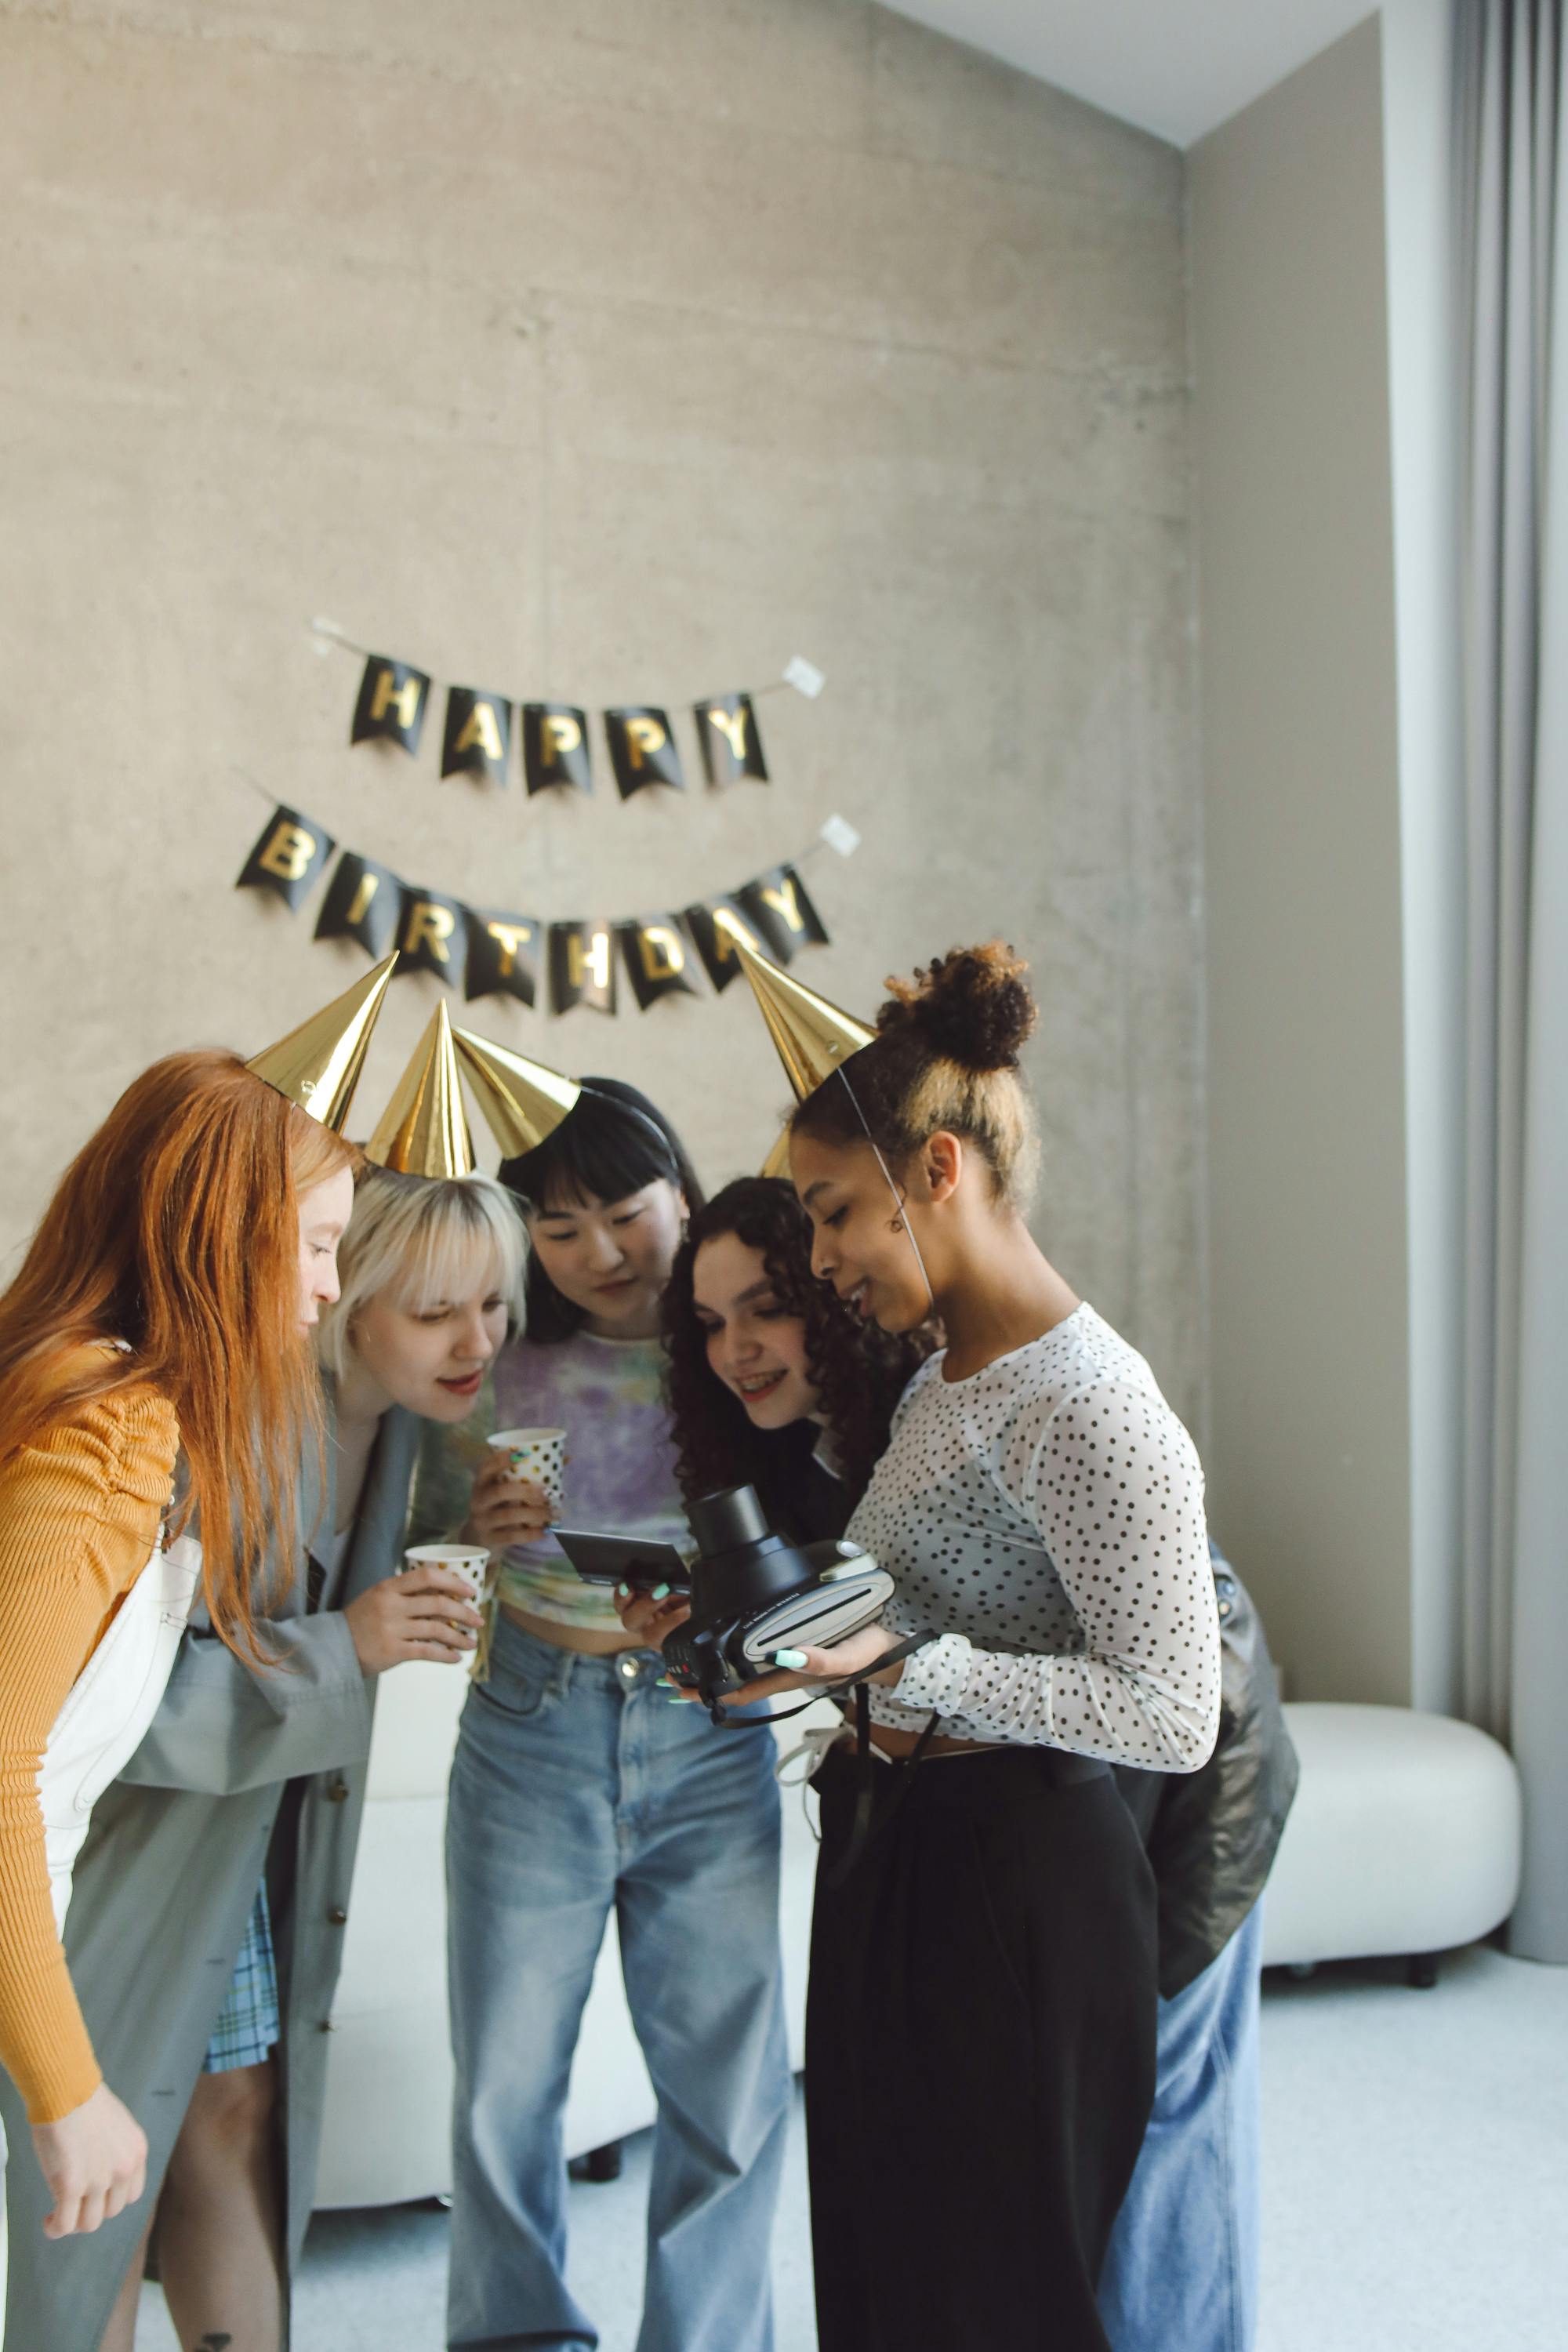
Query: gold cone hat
x,y
318,1064
777,1161
812,1035
522,1101
423,1130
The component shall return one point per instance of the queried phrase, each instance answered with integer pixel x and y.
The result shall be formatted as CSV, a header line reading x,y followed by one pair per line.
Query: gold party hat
x,y
812,1035
522,1101
318,1064
423,1130
777,1161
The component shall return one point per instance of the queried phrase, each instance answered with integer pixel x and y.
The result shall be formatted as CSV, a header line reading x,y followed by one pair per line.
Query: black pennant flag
x,y
478,734
658,960
581,967
727,730
503,955
432,936
393,700
556,747
289,857
363,902
642,750
778,904
716,924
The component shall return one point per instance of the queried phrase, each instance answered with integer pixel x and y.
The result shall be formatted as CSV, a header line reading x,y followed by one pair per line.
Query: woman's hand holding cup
x,y
506,1509
429,1611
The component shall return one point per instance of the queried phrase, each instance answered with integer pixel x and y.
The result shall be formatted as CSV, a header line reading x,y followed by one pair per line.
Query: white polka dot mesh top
x,y
1046,1517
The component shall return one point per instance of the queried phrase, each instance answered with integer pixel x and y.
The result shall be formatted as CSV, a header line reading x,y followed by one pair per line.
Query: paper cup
x,y
470,1561
537,1454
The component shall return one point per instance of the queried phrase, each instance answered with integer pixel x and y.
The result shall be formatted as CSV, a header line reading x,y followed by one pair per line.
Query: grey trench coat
x,y
167,1878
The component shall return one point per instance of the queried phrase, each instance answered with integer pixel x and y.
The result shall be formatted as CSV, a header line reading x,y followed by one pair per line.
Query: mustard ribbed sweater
x,y
79,1517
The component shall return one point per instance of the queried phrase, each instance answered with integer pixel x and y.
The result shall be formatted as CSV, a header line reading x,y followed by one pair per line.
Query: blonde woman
x,y
245,1797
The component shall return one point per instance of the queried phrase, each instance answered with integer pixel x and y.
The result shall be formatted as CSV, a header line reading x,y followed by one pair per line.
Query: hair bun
x,y
971,1006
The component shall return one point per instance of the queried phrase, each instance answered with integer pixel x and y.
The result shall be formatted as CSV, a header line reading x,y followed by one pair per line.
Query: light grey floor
x,y
1415,2186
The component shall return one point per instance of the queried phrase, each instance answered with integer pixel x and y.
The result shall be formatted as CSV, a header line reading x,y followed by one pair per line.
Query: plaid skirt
x,y
248,2028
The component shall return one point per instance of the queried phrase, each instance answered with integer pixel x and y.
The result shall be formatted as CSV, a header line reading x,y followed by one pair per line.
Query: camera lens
x,y
725,1521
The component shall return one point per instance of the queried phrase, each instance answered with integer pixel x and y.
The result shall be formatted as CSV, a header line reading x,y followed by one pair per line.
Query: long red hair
x,y
175,1228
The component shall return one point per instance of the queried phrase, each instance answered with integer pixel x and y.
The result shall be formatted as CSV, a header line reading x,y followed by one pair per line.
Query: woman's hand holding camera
x,y
506,1510
652,1616
805,1670
425,1612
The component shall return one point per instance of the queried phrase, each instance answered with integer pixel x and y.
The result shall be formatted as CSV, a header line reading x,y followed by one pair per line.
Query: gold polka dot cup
x,y
470,1560
537,1454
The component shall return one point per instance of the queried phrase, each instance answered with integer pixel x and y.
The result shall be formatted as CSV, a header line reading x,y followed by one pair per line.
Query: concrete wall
x,y
1310,1455
615,353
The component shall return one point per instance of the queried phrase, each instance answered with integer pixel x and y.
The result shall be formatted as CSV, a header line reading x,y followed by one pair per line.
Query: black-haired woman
x,y
982,2012
773,1383
577,1790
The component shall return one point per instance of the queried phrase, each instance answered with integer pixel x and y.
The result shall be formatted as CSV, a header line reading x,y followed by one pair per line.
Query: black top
x,y
801,1497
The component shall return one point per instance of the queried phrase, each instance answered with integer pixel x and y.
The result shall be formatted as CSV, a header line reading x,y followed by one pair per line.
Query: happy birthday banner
x,y
479,730
487,951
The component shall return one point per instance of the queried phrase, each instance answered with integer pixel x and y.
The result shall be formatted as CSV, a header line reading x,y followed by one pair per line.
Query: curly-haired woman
x,y
773,1383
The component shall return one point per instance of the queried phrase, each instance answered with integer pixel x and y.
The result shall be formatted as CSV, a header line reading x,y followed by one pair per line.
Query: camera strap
x,y
726,1719
867,1783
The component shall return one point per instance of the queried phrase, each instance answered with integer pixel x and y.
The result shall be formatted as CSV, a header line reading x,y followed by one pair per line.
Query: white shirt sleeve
x,y
1113,1484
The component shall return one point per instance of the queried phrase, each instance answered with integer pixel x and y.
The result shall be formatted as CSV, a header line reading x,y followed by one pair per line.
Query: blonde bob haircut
x,y
429,1241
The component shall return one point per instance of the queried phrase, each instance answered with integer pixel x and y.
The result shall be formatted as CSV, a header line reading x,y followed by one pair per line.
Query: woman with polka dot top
x,y
982,2016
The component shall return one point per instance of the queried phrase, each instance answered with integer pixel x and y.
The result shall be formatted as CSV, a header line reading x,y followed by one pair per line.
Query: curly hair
x,y
858,1371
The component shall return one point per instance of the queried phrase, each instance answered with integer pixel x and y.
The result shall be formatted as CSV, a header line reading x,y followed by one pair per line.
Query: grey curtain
x,y
1513,309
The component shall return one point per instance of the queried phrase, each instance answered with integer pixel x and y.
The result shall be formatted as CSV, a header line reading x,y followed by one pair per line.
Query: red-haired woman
x,y
154,1375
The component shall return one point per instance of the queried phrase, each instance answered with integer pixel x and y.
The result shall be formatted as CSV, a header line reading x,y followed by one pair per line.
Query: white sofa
x,y
384,2137
1405,1838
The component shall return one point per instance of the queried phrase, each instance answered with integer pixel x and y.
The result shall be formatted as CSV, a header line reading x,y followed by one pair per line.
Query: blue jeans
x,y
1181,2274
576,1787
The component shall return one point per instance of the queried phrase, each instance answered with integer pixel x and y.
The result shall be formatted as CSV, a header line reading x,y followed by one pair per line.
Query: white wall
x,y
1310,1454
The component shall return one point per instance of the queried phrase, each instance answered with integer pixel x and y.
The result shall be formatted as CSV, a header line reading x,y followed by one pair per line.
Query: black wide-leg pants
x,y
980,2052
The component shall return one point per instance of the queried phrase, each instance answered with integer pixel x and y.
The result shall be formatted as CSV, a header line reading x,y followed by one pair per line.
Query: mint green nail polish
x,y
660,1593
791,1660
624,1590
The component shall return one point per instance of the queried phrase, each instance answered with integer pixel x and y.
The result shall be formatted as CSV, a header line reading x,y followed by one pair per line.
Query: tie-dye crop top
x,y
608,1396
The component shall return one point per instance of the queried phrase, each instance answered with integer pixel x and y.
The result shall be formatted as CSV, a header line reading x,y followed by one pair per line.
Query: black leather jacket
x,y
1211,1836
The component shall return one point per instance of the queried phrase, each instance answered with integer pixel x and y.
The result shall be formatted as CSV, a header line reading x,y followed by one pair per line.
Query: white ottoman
x,y
1405,1838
